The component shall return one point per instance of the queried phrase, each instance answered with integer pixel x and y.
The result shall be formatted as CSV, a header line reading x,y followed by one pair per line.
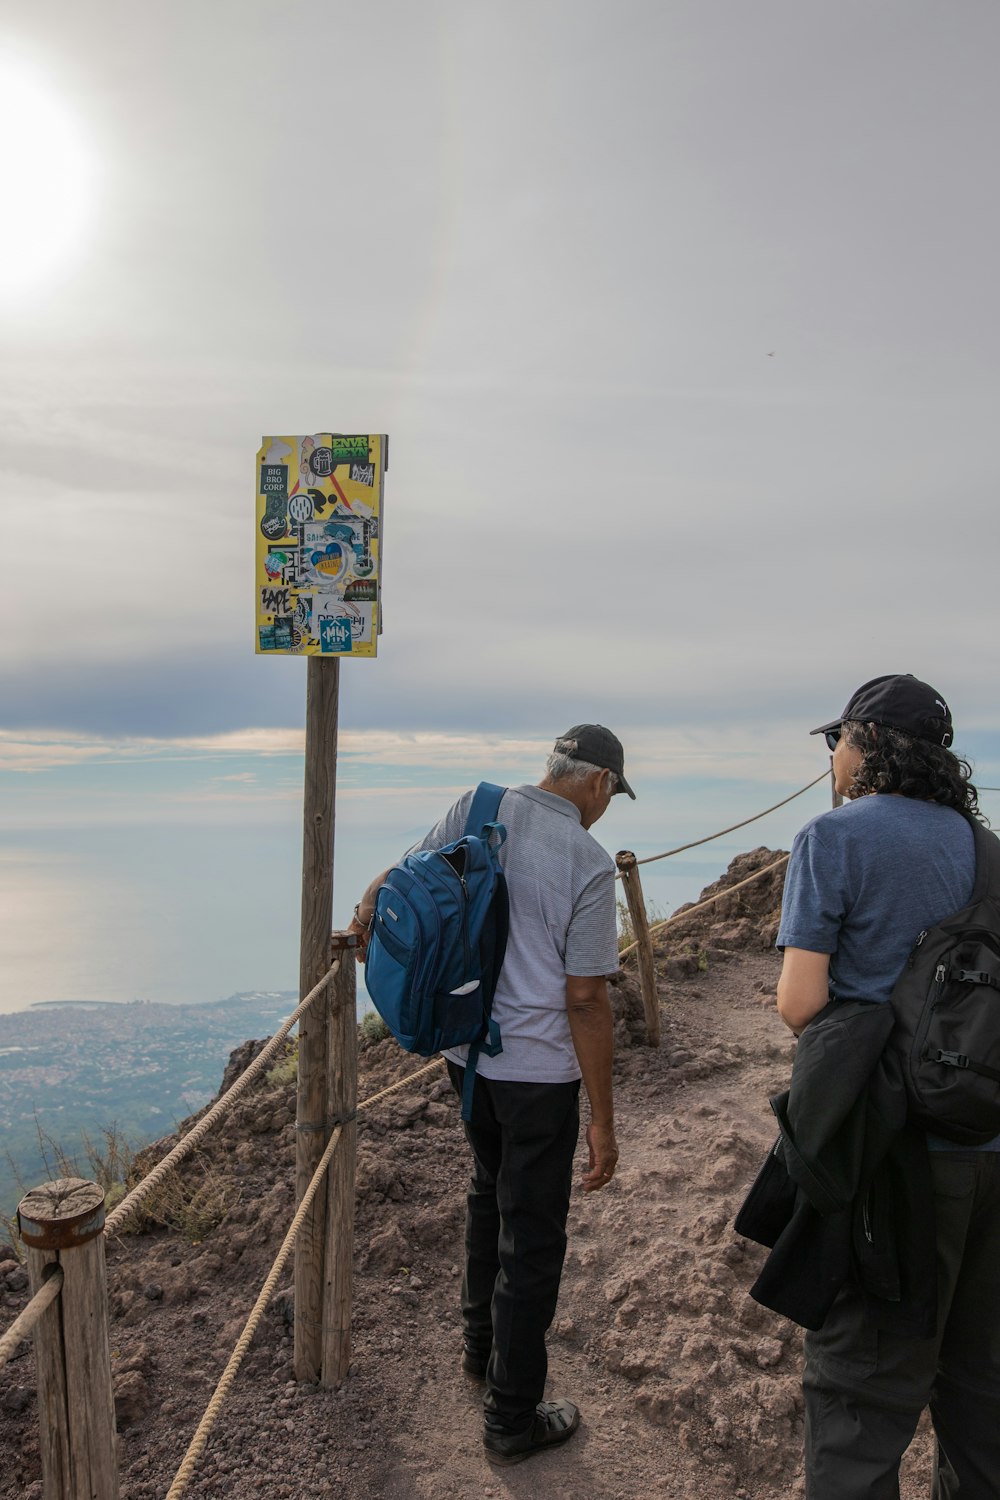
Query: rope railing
x,y
24,1325
133,1200
651,858
689,911
200,1440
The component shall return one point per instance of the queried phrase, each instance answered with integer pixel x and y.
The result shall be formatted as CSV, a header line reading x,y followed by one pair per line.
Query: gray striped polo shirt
x,y
562,921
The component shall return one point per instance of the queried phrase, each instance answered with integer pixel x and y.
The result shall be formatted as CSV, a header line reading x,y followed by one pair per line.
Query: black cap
x,y
596,746
901,701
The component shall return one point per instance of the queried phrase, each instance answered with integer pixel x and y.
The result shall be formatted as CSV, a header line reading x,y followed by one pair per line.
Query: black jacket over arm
x,y
845,1190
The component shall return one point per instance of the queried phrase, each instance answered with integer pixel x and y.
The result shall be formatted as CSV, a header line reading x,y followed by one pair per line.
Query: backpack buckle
x,y
950,1059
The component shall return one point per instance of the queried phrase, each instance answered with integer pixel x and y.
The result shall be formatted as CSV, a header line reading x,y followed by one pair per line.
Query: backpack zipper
x,y
913,950
465,917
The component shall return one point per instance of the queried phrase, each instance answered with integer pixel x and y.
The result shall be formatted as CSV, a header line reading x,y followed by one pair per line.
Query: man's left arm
x,y
591,1027
592,953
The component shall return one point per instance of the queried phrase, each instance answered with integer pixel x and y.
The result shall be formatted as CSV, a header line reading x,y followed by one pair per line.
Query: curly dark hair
x,y
894,761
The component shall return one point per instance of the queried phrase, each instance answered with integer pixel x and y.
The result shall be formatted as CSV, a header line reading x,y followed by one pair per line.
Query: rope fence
x,y
133,1200
651,858
200,1440
689,911
24,1325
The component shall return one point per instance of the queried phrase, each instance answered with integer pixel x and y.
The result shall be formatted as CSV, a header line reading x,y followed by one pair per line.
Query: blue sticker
x,y
335,633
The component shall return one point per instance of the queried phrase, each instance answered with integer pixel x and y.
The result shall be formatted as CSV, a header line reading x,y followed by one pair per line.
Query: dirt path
x,y
687,1388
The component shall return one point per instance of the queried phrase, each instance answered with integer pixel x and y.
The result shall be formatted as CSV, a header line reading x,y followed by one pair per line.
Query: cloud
x,y
381,756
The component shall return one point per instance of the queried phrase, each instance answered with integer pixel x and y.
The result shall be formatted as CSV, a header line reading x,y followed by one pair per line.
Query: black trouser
x,y
523,1136
865,1388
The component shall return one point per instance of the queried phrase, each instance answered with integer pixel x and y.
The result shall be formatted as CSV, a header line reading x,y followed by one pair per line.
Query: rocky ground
x,y
687,1387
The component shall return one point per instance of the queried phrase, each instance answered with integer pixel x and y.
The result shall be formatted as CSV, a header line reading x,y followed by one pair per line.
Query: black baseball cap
x,y
901,701
596,746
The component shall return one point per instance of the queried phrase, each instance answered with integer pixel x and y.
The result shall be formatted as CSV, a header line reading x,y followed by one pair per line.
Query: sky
x,y
682,320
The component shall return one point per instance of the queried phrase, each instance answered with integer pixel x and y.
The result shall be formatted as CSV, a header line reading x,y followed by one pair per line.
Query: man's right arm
x,y
442,833
364,911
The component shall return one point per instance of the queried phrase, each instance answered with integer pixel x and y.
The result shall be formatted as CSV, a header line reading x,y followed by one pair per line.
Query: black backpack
x,y
947,1008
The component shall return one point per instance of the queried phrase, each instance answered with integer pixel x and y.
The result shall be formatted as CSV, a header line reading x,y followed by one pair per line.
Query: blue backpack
x,y
437,941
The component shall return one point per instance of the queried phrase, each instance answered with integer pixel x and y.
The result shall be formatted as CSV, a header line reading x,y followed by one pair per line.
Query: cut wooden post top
x,y
624,858
61,1214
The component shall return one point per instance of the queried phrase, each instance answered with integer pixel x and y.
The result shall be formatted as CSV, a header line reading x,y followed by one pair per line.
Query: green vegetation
x,y
626,934
372,1027
286,1070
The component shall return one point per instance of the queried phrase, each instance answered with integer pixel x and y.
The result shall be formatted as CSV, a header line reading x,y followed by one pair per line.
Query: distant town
x,y
72,1068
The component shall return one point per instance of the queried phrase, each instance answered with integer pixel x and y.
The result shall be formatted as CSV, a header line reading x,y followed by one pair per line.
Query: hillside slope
x,y
687,1387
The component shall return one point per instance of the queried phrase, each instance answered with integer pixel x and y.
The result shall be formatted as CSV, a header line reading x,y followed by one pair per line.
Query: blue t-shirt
x,y
864,881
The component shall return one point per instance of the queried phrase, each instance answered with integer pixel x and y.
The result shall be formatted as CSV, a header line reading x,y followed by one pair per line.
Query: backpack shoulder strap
x,y
484,807
987,862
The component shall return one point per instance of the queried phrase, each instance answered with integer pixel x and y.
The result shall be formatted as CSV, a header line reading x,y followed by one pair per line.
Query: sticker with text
x,y
275,599
335,633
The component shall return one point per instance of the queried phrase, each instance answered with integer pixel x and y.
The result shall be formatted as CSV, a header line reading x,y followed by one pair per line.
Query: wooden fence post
x,y
62,1223
629,870
312,1122
341,1108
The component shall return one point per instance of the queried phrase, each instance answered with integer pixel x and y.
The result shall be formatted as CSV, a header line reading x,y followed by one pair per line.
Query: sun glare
x,y
45,182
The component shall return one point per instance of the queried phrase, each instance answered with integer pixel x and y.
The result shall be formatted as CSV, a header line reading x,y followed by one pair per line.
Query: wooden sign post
x,y
318,594
312,1126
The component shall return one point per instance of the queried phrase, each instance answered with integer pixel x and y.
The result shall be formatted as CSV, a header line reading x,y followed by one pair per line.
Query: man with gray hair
x,y
554,1015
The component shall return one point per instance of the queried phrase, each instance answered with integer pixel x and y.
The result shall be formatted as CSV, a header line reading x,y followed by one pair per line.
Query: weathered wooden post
x,y
341,1109
629,870
312,1119
318,594
62,1223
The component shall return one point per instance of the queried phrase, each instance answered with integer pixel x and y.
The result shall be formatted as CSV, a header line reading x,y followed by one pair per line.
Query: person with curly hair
x,y
863,881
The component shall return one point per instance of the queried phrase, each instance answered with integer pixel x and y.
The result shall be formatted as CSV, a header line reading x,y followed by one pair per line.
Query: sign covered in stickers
x,y
319,544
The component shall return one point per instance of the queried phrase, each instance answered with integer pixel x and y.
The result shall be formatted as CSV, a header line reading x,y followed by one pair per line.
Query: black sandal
x,y
553,1423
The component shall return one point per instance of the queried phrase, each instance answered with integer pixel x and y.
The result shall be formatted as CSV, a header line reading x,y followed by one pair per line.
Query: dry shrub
x,y
192,1201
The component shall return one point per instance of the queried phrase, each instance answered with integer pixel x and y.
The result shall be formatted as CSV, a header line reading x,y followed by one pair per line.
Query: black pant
x,y
523,1136
865,1388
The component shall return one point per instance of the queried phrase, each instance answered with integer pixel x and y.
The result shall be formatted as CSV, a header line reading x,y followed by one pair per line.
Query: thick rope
x,y
679,916
650,858
200,1439
400,1083
222,1106
25,1324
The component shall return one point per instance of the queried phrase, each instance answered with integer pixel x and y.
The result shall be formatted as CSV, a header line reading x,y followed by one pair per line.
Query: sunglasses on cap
x,y
832,737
